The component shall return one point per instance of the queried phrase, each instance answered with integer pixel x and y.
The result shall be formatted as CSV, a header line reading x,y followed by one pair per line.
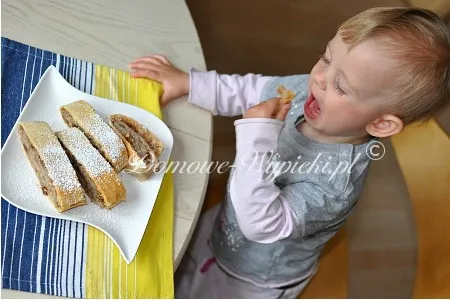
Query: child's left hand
x,y
159,68
268,109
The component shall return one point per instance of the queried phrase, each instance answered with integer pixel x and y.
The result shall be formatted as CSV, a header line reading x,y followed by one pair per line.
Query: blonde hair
x,y
420,43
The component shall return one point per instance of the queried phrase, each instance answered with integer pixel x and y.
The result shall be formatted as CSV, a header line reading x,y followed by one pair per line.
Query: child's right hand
x,y
158,68
268,109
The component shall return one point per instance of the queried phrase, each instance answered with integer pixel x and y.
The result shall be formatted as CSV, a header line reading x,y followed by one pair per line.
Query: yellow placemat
x,y
150,274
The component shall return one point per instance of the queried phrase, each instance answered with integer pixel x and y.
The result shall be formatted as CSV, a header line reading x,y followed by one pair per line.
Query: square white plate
x,y
124,224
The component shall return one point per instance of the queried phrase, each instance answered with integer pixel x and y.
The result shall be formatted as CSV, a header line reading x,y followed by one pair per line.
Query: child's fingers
x,y
142,58
144,66
164,100
268,108
150,74
162,58
271,104
281,114
149,59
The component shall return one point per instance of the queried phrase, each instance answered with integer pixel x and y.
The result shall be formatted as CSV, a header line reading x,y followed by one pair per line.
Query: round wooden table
x,y
112,33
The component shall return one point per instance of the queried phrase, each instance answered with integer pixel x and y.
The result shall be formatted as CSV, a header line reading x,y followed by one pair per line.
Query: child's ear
x,y
385,126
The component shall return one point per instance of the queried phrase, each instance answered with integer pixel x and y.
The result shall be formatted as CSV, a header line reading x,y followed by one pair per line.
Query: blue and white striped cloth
x,y
39,254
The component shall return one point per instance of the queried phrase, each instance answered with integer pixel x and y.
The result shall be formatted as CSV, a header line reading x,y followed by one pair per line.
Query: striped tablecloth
x,y
65,258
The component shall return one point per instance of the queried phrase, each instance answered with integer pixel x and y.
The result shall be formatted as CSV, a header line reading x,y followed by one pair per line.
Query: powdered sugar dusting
x,y
110,220
83,151
24,176
105,135
126,222
59,168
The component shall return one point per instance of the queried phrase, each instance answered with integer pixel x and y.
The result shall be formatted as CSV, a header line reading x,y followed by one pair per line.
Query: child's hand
x,y
268,109
158,68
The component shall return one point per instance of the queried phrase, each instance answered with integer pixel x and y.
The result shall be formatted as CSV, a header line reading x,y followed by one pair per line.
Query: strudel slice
x,y
144,147
56,175
285,95
82,115
99,180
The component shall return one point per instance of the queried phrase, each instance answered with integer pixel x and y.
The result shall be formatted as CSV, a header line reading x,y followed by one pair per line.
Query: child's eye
x,y
324,59
338,88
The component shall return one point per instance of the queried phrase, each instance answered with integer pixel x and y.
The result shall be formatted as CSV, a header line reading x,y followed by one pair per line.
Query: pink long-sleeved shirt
x,y
263,214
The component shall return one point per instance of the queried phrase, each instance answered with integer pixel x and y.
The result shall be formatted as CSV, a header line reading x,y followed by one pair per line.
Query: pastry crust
x,y
56,175
99,180
144,147
82,115
285,95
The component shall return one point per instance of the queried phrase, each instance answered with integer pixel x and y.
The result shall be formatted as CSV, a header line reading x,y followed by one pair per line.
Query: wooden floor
x,y
376,255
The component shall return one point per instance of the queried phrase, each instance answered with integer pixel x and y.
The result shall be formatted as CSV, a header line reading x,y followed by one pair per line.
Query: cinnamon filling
x,y
143,148
39,168
85,181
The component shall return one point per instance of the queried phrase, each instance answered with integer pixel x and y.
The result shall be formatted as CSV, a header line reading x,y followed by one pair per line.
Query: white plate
x,y
124,224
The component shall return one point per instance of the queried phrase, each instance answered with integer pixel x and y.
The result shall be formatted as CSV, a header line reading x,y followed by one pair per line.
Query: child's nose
x,y
321,80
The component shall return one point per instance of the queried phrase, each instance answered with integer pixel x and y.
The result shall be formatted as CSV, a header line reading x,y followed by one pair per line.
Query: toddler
x,y
385,68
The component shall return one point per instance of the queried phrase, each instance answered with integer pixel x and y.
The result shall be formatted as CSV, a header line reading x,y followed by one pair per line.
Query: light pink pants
x,y
198,275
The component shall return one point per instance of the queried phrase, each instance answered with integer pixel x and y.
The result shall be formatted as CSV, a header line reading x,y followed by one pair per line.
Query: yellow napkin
x,y
150,275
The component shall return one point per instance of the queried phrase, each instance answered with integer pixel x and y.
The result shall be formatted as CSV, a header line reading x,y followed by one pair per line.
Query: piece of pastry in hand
x,y
144,147
82,115
56,175
285,95
98,178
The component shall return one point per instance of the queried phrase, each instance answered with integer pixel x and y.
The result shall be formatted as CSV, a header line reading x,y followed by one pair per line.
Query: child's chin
x,y
313,122
318,126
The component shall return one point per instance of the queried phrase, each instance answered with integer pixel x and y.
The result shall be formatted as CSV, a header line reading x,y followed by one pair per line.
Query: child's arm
x,y
226,95
263,215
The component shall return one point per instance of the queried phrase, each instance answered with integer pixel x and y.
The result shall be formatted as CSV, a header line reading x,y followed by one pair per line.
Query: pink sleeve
x,y
225,95
263,215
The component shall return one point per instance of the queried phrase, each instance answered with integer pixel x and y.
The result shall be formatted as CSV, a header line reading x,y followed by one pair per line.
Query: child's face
x,y
348,90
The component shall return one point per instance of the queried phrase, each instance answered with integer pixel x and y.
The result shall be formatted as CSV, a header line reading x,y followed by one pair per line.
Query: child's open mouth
x,y
312,107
